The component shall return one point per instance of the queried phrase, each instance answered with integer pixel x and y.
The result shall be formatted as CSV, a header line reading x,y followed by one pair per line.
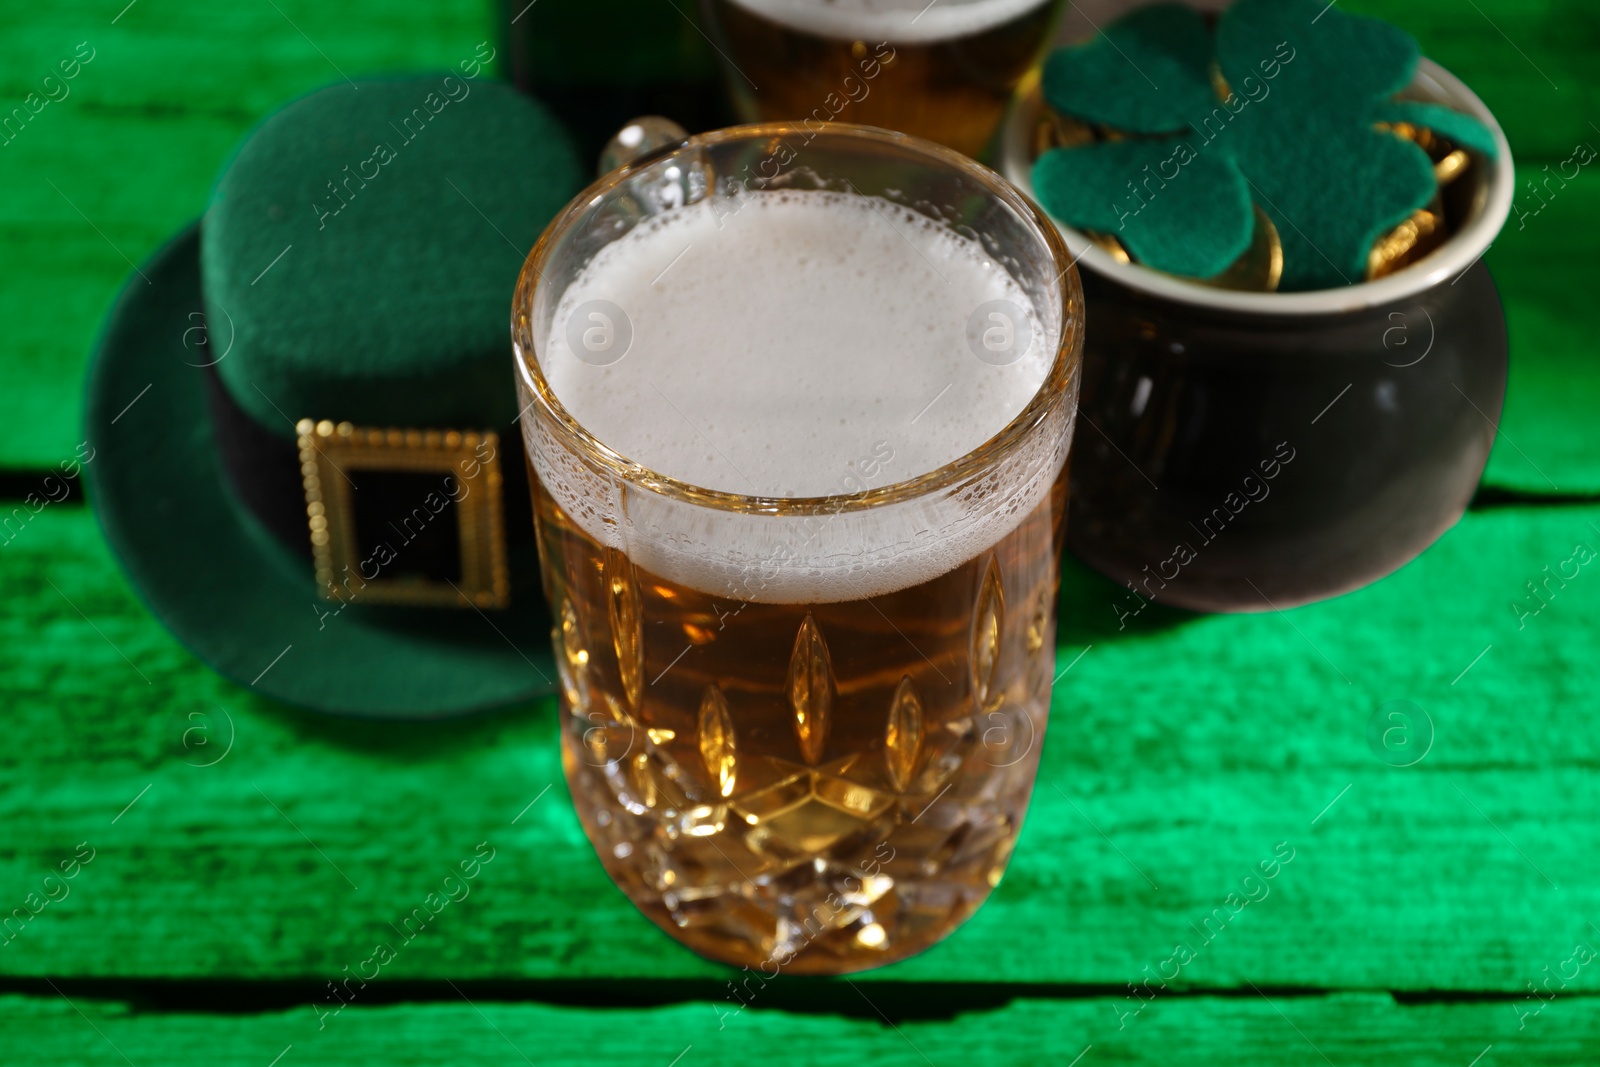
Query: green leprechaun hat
x,y
303,407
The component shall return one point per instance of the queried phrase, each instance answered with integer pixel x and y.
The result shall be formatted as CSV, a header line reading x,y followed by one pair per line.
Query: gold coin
x,y
1060,131
1408,242
1449,162
1219,84
1114,248
1259,268
1428,227
1420,136
1452,166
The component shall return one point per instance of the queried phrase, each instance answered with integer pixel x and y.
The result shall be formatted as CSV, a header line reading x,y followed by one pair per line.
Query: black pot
x,y
1226,462
1252,451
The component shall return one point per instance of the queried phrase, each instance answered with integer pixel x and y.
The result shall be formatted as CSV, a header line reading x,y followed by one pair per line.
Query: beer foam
x,y
794,345
894,21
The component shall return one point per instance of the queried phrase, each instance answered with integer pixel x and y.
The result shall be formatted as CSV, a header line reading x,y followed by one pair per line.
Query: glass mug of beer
x,y
798,405
943,70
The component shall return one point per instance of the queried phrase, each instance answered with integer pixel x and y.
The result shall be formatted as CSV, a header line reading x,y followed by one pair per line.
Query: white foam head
x,y
894,21
793,345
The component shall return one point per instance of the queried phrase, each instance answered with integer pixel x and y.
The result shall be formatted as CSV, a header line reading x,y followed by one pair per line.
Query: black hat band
x,y
385,515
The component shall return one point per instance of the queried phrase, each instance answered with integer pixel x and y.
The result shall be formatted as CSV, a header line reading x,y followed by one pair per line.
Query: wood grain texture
x,y
1345,1030
1543,263
1182,751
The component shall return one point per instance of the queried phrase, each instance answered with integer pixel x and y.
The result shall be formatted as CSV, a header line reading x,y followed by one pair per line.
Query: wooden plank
x,y
1543,262
1183,750
129,152
1347,1030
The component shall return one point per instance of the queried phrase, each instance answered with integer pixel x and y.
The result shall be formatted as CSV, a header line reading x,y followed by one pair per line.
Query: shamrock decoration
x,y
1280,110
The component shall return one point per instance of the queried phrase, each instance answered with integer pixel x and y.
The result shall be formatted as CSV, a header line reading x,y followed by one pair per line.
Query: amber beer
x,y
943,71
752,774
799,504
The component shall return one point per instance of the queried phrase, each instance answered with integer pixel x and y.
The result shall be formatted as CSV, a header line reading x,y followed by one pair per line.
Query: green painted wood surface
x,y
174,85
1181,751
1544,266
1346,1030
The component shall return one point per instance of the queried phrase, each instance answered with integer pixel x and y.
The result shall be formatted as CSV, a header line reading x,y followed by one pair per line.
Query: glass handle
x,y
646,136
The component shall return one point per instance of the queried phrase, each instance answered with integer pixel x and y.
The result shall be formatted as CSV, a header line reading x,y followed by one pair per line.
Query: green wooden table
x,y
233,857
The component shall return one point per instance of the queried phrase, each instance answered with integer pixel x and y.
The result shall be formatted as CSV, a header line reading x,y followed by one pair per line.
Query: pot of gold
x,y
1295,359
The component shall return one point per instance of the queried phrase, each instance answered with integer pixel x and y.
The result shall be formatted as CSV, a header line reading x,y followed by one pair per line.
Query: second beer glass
x,y
943,70
799,407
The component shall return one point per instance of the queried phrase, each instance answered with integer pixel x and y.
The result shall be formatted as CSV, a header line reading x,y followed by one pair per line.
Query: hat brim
x,y
214,578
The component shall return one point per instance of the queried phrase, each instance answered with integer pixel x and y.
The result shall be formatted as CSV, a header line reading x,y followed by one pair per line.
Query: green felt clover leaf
x,y
1297,136
1195,227
1166,48
1341,63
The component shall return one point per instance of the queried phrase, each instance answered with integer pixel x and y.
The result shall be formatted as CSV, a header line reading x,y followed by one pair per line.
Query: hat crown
x,y
361,249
